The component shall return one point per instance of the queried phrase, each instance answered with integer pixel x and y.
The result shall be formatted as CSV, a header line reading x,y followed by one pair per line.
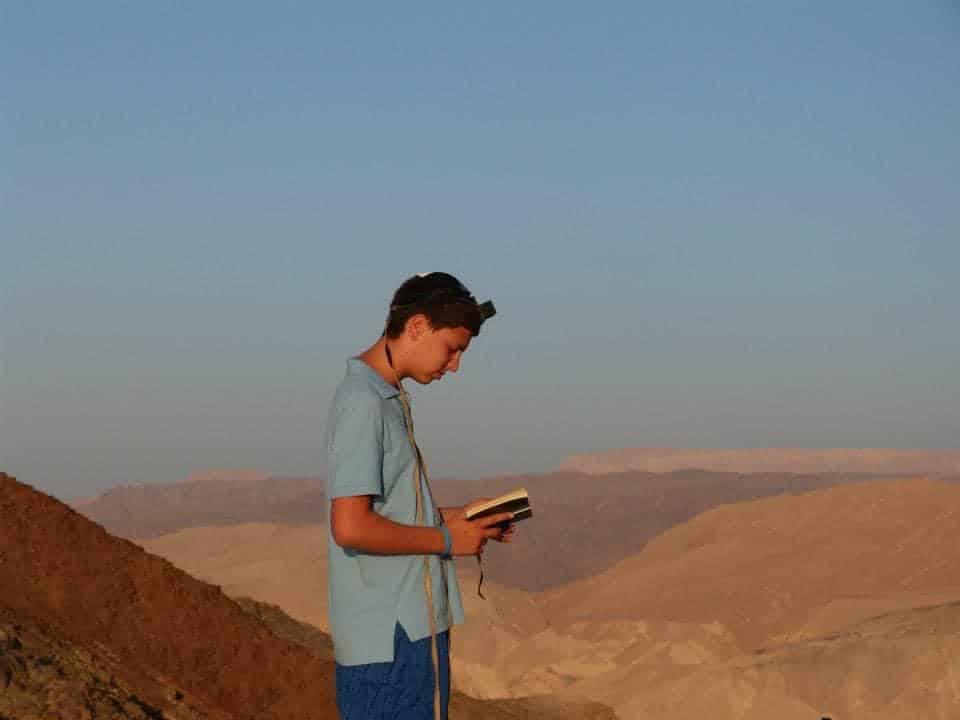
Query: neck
x,y
376,357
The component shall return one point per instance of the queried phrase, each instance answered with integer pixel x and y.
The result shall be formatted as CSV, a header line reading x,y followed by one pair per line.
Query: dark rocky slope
x,y
158,626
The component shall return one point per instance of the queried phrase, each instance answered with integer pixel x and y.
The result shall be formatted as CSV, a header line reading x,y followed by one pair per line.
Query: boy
x,y
392,583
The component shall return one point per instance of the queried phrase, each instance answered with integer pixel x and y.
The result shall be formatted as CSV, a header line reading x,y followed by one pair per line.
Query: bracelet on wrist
x,y
447,540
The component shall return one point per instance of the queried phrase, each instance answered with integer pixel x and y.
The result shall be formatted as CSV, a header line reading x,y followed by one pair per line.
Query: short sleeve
x,y
356,448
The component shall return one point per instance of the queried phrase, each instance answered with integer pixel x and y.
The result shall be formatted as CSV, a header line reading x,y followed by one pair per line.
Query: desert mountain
x,y
584,523
837,603
216,498
767,568
870,461
237,475
158,626
766,605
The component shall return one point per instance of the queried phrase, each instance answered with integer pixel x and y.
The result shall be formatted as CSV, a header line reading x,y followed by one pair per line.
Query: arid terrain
x,y
732,598
773,598
93,627
634,507
43,676
171,639
685,593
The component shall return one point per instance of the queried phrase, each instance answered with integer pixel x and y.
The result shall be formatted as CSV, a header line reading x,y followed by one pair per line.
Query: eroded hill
x,y
585,523
892,667
765,568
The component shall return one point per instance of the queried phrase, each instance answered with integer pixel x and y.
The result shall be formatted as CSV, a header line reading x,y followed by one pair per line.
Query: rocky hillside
x,y
106,595
44,677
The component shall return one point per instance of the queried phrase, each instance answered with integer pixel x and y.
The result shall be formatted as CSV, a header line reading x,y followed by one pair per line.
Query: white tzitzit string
x,y
420,471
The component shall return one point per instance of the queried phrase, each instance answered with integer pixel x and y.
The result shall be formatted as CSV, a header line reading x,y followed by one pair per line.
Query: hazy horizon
x,y
711,226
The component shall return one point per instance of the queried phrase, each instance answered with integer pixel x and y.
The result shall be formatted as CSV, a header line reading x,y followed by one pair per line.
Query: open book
x,y
517,502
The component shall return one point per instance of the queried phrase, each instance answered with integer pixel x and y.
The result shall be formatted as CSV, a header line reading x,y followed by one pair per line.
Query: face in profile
x,y
438,352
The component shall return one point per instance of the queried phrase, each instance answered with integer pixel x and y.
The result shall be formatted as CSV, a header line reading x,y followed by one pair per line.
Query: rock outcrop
x,y
158,626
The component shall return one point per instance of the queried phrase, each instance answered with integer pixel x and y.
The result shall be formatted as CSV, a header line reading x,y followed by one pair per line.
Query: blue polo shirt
x,y
369,453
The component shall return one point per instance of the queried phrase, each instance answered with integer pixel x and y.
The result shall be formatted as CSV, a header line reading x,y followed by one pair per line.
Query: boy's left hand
x,y
506,535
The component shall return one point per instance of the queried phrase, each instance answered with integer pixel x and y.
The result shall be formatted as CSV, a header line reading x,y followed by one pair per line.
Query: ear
x,y
417,326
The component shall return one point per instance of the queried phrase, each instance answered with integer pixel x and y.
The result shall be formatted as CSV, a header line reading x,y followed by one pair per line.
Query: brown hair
x,y
443,299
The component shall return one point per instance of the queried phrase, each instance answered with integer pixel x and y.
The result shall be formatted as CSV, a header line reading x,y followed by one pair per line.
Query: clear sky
x,y
703,224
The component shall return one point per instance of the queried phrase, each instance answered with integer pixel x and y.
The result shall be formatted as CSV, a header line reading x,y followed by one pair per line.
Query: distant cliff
x,y
870,461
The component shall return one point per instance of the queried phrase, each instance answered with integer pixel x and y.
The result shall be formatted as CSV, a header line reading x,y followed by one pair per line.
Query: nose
x,y
454,363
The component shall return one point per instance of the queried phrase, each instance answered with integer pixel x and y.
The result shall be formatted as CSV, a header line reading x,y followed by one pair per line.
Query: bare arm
x,y
355,525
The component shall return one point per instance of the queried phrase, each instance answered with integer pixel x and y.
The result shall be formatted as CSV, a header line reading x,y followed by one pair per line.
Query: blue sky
x,y
704,225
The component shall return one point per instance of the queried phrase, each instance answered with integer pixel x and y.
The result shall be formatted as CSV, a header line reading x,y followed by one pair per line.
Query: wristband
x,y
447,540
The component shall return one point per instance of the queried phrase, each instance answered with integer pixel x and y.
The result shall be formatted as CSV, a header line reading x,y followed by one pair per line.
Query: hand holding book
x,y
468,537
517,503
503,511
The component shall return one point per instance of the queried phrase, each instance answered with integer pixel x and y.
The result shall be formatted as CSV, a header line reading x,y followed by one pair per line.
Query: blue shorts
x,y
398,690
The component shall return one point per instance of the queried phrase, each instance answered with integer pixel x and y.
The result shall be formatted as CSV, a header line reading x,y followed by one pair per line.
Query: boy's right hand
x,y
469,536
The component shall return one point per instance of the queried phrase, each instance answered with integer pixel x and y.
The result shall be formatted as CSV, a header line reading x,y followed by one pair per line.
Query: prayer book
x,y
516,502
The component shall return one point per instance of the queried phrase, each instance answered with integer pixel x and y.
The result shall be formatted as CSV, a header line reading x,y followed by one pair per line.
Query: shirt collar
x,y
356,366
